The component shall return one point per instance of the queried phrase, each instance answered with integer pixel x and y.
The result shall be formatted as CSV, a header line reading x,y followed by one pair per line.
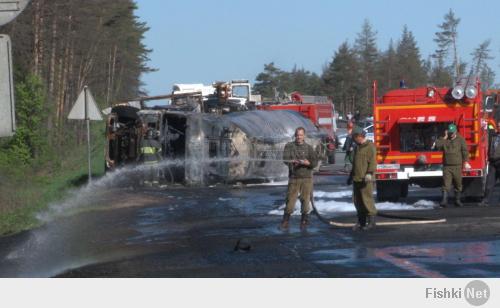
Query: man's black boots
x,y
304,221
361,223
444,199
285,221
370,224
458,195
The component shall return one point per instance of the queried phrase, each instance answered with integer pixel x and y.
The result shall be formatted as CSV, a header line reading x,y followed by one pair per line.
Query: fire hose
x,y
405,220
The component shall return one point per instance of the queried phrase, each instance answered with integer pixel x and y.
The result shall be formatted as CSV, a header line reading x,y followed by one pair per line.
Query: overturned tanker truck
x,y
201,147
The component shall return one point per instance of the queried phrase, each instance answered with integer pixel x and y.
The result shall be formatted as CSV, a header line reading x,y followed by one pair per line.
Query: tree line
x,y
348,77
59,46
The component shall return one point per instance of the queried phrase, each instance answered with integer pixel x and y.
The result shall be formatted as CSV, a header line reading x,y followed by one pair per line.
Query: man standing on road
x,y
362,177
493,164
348,147
455,155
150,156
301,159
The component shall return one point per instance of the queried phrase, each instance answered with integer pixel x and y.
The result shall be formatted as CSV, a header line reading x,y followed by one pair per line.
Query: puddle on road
x,y
461,259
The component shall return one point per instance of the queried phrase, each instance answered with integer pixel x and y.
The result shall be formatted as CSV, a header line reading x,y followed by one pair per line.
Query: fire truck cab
x,y
409,121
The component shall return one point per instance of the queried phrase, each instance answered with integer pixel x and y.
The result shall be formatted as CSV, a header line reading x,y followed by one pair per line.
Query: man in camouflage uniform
x,y
455,155
362,176
301,159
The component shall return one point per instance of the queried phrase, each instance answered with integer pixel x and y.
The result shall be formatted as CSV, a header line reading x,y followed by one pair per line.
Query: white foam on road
x,y
333,207
335,194
271,183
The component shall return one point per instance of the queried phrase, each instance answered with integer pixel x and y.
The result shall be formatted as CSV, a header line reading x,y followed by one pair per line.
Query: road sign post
x,y
7,106
9,9
85,108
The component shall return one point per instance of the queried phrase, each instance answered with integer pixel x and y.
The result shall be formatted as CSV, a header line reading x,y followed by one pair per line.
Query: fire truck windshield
x,y
418,137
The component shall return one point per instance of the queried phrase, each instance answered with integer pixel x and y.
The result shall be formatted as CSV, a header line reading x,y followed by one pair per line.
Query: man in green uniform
x,y
301,160
150,156
362,176
455,155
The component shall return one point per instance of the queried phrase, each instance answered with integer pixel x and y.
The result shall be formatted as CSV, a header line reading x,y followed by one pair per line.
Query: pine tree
x,y
366,49
447,39
72,43
409,64
440,75
387,75
269,82
342,81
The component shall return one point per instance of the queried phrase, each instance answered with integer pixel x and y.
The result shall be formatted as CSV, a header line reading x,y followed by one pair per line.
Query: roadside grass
x,y
26,192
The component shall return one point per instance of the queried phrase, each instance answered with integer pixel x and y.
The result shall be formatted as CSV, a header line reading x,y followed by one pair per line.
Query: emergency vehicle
x,y
409,121
319,110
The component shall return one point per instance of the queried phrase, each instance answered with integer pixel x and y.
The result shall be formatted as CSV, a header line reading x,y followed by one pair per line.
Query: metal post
x,y
88,133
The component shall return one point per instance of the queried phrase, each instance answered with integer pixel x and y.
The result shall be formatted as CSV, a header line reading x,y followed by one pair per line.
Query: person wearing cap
x,y
362,177
493,163
455,157
301,159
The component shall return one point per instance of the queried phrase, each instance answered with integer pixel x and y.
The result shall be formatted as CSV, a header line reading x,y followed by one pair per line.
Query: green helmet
x,y
452,128
358,131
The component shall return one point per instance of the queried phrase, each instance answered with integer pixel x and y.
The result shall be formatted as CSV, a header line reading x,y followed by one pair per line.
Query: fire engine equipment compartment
x,y
420,137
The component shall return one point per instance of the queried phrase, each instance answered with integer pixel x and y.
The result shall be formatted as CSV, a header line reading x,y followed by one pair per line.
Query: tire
x,y
388,191
404,189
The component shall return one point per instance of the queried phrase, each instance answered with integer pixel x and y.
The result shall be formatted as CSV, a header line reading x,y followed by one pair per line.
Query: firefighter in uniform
x,y
362,176
150,156
455,155
493,164
301,159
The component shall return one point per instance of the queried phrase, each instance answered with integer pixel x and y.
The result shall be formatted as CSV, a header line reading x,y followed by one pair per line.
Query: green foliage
x,y
275,84
446,39
59,47
409,62
342,80
368,56
30,138
387,69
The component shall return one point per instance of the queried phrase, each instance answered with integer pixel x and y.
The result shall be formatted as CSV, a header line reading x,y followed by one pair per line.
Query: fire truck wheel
x,y
388,191
404,190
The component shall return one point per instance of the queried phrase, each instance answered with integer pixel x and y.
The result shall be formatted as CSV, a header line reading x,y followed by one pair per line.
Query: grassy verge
x,y
27,192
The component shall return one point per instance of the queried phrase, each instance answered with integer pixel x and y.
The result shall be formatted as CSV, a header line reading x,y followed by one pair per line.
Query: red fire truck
x,y
408,122
318,109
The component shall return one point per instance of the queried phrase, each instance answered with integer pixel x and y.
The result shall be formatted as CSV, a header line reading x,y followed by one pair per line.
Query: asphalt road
x,y
109,231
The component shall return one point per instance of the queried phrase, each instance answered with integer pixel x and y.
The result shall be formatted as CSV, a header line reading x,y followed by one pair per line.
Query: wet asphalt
x,y
192,232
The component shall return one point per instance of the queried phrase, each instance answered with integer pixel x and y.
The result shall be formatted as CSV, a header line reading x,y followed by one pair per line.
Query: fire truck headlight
x,y
471,92
458,92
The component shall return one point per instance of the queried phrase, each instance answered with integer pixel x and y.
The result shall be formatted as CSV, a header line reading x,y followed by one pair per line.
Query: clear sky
x,y
196,41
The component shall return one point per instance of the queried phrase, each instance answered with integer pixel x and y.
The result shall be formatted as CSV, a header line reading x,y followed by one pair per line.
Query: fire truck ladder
x,y
380,129
468,123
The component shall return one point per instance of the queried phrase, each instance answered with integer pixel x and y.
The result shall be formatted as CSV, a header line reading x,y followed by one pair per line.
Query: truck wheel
x,y
404,189
388,191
